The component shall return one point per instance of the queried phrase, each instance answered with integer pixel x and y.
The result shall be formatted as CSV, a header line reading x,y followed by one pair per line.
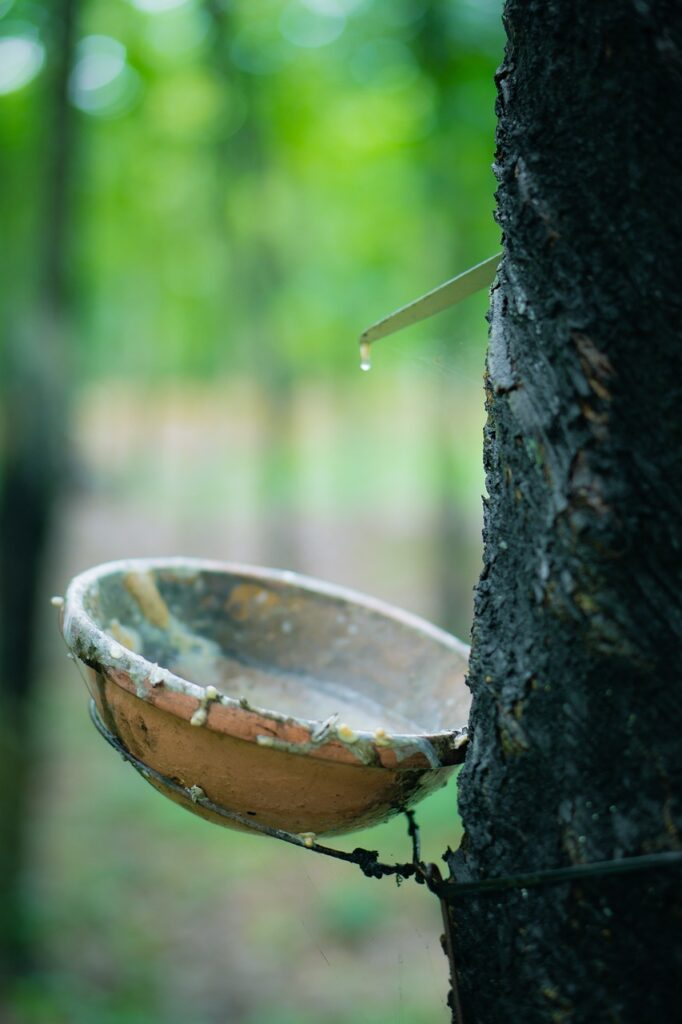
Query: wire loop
x,y
368,860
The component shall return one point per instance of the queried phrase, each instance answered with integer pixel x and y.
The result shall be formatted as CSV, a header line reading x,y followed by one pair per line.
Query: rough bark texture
x,y
577,640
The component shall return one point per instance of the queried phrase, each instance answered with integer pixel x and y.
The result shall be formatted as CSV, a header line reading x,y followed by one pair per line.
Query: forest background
x,y
235,191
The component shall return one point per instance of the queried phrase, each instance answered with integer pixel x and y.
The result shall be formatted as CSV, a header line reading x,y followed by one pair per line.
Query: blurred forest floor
x,y
142,913
347,485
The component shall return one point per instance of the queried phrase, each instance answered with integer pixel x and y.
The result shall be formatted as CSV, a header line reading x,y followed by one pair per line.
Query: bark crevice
x,y
577,636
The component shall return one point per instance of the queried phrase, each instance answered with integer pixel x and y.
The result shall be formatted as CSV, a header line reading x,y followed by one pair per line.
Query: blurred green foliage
x,y
253,182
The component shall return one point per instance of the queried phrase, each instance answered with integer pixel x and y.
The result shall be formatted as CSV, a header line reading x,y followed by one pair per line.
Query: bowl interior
x,y
285,643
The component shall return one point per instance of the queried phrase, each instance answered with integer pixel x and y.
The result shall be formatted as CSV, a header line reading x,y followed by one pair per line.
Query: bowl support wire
x,y
367,860
448,891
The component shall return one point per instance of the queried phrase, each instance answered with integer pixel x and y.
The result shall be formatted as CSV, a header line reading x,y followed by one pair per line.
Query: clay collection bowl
x,y
294,704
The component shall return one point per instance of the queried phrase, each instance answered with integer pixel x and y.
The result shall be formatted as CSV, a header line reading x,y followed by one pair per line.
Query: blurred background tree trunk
x,y
34,383
577,640
258,272
450,525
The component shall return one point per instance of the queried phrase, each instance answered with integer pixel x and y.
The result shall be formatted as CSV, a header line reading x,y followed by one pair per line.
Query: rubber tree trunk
x,y
577,638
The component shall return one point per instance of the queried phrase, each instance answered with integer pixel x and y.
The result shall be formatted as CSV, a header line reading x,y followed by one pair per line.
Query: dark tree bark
x,y
577,638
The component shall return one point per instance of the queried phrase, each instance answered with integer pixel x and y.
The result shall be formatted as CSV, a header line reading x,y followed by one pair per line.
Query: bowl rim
x,y
90,643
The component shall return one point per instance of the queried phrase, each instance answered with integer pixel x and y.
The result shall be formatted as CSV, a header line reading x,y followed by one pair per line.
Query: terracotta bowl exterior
x,y
298,705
